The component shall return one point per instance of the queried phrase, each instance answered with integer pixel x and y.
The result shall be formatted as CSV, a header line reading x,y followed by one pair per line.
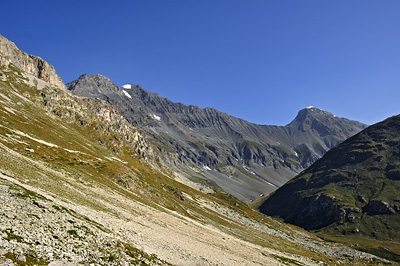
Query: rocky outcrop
x,y
114,131
41,232
31,64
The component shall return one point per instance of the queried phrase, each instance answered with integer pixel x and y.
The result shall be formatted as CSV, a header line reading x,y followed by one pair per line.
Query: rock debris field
x,y
36,231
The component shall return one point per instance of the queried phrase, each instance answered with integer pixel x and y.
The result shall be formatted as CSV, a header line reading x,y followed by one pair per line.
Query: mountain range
x,y
81,184
211,147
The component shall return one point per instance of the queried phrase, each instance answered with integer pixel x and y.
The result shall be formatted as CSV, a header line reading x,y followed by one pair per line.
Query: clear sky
x,y
260,60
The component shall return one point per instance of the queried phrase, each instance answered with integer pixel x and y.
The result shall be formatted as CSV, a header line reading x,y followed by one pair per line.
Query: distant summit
x,y
311,112
325,129
95,86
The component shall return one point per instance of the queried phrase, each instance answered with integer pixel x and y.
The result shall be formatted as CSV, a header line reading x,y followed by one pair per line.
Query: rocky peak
x,y
104,84
31,64
323,123
311,113
84,86
95,86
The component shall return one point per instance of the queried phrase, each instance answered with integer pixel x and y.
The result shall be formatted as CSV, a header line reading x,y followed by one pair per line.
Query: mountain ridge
x,y
242,158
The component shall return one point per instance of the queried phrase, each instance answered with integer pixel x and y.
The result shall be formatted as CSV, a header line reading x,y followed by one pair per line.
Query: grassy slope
x,y
366,180
362,169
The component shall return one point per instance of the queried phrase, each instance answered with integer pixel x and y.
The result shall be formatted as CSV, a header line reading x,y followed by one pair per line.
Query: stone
x,y
18,250
61,263
41,204
20,257
30,254
6,262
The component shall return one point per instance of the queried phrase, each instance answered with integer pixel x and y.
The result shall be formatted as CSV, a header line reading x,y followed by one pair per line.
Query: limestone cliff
x,y
31,64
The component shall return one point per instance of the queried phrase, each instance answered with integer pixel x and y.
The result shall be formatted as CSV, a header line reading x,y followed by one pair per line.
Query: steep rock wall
x,y
31,64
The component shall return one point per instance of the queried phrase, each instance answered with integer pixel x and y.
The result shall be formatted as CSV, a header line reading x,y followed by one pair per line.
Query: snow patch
x,y
248,170
156,117
35,139
310,107
205,167
295,153
41,142
10,110
116,159
127,94
127,86
269,183
73,151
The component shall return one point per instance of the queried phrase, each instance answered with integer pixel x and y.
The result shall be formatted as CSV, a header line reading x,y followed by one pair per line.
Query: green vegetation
x,y
303,150
73,233
287,261
351,195
283,150
289,161
30,259
12,236
249,145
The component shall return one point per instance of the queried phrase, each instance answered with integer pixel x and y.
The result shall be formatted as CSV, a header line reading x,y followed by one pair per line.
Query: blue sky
x,y
258,60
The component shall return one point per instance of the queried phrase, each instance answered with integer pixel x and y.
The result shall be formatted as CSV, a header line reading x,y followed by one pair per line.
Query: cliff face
x,y
31,64
112,130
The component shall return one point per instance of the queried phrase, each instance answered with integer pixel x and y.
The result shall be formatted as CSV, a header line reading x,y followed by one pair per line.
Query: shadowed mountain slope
x,y
353,190
212,147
